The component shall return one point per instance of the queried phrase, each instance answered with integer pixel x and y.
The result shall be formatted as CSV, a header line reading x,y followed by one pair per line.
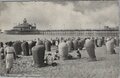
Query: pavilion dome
x,y
24,24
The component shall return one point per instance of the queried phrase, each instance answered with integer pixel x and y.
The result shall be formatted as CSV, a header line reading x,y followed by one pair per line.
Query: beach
x,y
106,66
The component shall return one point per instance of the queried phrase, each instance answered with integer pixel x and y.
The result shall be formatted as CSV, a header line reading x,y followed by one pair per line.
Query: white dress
x,y
9,57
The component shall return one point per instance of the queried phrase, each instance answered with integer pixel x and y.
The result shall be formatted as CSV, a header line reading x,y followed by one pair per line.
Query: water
x,y
5,37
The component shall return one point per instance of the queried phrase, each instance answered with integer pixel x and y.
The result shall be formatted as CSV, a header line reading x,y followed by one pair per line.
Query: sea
x,y
5,37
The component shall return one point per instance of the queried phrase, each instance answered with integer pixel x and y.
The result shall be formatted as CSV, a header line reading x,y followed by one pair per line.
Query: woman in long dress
x,y
10,55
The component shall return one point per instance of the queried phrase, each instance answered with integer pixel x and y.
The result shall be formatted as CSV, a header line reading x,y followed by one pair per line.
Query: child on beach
x,y
50,60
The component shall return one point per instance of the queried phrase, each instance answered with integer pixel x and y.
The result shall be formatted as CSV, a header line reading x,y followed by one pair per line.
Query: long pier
x,y
83,33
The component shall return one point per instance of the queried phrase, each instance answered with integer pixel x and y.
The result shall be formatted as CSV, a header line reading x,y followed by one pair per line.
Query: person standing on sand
x,y
10,56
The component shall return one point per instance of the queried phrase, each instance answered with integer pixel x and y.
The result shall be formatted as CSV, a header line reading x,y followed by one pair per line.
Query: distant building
x,y
110,28
24,26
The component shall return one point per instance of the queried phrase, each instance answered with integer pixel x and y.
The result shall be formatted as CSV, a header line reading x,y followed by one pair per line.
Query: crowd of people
x,y
65,48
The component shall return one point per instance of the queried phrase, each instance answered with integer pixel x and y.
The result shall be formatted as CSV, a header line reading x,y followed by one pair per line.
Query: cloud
x,y
83,6
60,15
3,6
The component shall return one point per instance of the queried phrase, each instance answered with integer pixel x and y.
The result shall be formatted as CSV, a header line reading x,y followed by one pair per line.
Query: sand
x,y
107,66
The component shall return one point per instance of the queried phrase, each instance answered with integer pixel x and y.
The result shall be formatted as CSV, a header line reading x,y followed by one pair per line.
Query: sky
x,y
60,14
